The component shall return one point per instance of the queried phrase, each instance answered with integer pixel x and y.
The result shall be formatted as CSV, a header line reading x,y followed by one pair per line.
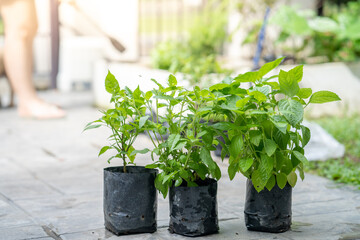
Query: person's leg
x,y
20,28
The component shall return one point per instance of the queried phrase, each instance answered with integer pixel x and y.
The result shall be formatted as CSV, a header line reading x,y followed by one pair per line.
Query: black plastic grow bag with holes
x,y
268,211
193,210
130,200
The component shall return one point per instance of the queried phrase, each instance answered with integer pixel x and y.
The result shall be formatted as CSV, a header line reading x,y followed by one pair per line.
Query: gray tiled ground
x,y
51,186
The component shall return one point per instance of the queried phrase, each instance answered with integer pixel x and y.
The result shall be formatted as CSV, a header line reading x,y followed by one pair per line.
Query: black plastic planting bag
x,y
193,210
268,211
130,200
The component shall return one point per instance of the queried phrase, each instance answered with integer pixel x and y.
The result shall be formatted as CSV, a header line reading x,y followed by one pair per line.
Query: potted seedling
x,y
267,141
189,173
130,197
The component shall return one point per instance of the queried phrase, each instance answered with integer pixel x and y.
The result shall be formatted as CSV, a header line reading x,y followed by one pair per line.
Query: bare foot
x,y
39,109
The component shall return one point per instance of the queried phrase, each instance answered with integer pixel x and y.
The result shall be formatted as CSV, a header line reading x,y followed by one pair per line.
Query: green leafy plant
x,y
184,157
266,138
126,121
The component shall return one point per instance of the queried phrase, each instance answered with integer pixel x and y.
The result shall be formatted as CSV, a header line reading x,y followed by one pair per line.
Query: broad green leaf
x,y
323,97
245,164
232,170
184,174
173,140
137,93
270,146
280,123
207,159
224,126
152,166
301,157
288,83
91,126
271,183
172,80
217,172
259,96
178,182
306,135
204,93
274,85
296,73
266,68
219,86
103,150
264,89
279,160
111,84
295,137
287,166
257,112
242,102
179,145
201,170
257,180
292,178
164,97
255,137
163,188
233,160
169,177
268,128
304,93
130,155
281,180
206,136
148,95
266,166
142,121
261,175
247,77
236,146
142,151
300,168
292,110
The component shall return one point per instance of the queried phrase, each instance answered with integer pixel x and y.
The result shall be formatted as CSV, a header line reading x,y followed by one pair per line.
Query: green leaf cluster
x,y
126,120
185,156
266,139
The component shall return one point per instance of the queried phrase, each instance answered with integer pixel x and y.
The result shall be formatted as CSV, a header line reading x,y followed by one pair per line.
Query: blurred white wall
x,y
84,25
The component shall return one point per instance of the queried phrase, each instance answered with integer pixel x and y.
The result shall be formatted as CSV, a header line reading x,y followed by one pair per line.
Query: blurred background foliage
x,y
335,36
196,55
347,168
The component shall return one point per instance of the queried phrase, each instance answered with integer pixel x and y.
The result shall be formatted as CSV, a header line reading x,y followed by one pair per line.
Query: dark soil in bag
x,y
130,200
268,211
193,210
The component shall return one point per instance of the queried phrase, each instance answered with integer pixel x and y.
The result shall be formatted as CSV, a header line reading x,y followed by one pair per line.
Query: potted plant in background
x,y
188,170
267,141
130,197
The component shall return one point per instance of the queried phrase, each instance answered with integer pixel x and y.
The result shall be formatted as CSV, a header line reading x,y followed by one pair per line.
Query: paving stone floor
x,y
51,186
